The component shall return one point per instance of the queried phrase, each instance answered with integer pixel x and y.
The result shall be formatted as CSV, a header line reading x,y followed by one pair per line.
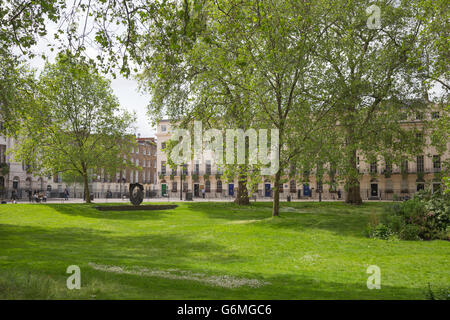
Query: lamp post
x,y
181,183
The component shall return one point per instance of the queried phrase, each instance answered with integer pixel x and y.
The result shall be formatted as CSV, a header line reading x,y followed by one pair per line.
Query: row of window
x,y
420,165
145,151
144,163
196,170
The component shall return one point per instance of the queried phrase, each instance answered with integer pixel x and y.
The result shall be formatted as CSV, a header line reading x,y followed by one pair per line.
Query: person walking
x,y
66,194
203,193
14,196
30,195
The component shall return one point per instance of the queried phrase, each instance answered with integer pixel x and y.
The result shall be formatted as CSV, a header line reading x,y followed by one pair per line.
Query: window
x,y
373,167
197,169
174,187
419,116
207,186
420,186
208,167
219,186
174,172
435,115
404,166
419,137
185,169
420,166
292,186
185,187
163,128
163,167
163,145
436,163
319,186
436,187
281,188
388,167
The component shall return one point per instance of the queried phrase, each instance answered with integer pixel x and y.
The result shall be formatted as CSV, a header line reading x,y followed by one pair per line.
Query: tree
x,y
245,64
76,124
369,72
21,23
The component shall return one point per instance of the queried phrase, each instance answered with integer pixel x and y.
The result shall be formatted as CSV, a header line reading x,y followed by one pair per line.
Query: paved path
x,y
126,201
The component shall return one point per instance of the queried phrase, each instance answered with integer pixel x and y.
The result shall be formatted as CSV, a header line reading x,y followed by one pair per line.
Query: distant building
x,y
17,176
378,180
104,185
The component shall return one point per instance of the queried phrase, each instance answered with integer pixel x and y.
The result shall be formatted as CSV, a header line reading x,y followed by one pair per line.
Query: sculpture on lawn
x,y
136,193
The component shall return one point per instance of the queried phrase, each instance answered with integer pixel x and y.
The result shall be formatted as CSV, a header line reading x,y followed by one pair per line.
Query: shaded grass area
x,y
313,251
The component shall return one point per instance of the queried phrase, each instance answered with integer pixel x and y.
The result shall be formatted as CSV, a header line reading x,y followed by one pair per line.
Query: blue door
x,y
231,189
267,190
306,191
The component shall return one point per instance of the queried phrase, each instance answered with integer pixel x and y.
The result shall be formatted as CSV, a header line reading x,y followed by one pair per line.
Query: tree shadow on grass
x,y
89,211
339,218
38,245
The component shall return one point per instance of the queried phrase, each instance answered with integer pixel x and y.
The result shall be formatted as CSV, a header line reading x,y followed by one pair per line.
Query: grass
x,y
313,251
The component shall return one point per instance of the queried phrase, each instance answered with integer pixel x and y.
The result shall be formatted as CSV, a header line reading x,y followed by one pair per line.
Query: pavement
x,y
126,201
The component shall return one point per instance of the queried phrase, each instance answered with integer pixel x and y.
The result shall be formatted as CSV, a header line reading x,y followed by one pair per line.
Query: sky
x,y
126,90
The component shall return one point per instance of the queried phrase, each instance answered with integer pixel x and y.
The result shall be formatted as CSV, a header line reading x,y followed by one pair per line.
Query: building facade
x,y
379,180
15,176
143,156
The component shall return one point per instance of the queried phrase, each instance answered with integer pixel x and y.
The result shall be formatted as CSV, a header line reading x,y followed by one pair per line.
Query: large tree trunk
x,y
242,194
276,195
87,194
352,182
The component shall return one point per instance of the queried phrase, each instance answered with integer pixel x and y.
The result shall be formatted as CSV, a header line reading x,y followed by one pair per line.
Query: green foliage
x,y
75,125
380,231
426,216
4,169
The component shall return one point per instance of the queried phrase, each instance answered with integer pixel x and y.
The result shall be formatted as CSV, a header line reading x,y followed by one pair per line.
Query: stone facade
x,y
15,175
378,180
103,186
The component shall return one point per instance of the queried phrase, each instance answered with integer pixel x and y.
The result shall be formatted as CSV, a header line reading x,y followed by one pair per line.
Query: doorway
x,y
163,190
196,190
374,190
231,189
267,190
306,191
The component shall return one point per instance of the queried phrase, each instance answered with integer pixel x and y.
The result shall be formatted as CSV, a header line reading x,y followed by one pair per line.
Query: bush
x,y
381,231
426,216
410,232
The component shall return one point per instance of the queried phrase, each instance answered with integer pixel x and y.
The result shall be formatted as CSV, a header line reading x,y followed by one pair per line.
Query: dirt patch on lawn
x,y
136,208
223,281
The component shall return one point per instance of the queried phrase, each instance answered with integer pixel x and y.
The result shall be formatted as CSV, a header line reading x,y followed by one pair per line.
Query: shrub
x,y
381,231
410,232
426,216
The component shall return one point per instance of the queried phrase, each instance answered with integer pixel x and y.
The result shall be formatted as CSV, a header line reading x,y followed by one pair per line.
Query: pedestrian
x,y
13,196
203,193
30,195
66,194
339,194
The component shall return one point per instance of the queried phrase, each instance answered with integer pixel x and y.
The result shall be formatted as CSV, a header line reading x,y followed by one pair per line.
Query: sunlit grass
x,y
313,251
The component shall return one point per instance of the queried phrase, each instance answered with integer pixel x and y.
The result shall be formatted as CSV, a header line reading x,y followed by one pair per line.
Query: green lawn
x,y
211,251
